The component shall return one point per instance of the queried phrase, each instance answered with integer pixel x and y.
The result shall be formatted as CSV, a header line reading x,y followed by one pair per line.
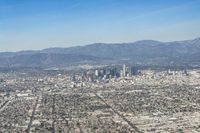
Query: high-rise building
x,y
134,71
104,71
121,73
113,72
97,73
124,70
169,72
74,77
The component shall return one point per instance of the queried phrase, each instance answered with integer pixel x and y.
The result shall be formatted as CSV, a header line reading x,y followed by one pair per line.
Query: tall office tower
x,y
113,72
124,70
121,73
74,77
96,73
104,71
134,71
169,72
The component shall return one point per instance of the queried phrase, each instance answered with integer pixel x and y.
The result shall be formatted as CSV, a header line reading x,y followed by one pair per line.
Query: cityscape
x,y
99,66
108,99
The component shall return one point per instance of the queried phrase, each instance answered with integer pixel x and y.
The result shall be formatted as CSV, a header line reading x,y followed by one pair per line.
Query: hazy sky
x,y
38,24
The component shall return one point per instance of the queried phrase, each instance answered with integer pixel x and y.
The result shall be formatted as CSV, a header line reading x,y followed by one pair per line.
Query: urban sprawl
x,y
123,99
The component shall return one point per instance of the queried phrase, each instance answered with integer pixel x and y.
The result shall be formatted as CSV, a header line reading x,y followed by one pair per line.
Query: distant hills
x,y
145,52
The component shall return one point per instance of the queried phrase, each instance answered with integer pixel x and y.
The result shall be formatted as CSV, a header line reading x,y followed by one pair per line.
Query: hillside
x,y
142,52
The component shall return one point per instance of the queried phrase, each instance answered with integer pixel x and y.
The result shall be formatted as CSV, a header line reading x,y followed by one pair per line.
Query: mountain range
x,y
145,52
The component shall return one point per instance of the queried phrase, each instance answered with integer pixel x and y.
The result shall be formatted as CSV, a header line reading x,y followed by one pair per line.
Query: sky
x,y
39,24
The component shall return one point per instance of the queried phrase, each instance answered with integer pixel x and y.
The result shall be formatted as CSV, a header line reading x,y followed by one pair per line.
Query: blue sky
x,y
38,24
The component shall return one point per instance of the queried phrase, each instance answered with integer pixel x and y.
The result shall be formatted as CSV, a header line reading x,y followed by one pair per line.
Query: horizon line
x,y
35,50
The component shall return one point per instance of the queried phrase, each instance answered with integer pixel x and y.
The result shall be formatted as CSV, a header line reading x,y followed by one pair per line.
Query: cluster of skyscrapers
x,y
107,73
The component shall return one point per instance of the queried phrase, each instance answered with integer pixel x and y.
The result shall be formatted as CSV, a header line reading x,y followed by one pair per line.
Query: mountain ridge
x,y
143,52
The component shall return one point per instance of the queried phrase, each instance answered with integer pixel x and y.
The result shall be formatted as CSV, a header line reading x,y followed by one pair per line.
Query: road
x,y
124,118
32,116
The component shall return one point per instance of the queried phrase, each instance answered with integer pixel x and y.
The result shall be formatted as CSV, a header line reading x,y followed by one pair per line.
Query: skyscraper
x,y
96,72
124,70
134,71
